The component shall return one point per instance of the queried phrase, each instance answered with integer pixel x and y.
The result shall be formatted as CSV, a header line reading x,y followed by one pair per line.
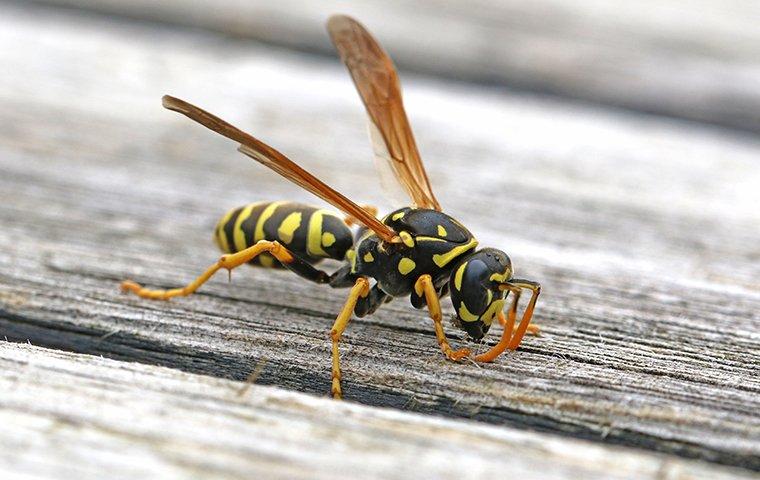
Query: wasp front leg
x,y
513,334
424,287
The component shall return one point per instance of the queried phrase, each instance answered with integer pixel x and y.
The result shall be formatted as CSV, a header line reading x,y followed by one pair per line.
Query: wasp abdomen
x,y
310,232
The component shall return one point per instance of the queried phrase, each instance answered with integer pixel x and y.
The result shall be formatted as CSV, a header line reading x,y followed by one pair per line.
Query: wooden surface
x,y
78,416
693,59
642,230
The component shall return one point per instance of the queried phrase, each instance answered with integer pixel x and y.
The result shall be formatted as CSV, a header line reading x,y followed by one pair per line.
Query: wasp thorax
x,y
475,293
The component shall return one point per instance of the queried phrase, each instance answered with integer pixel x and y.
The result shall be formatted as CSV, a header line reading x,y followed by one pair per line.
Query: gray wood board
x,y
642,231
78,416
691,59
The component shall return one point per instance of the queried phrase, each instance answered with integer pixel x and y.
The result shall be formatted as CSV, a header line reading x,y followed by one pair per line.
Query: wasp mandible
x,y
416,251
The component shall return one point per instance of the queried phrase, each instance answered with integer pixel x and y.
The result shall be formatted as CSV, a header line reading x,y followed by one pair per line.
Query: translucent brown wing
x,y
281,164
376,80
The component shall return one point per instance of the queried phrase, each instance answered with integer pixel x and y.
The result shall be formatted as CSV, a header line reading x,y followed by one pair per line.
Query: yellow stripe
x,y
501,277
444,258
289,226
493,309
237,233
458,276
265,215
221,238
429,239
465,314
314,238
398,215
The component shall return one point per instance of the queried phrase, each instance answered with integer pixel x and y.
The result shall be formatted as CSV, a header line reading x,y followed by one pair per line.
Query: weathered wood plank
x,y
691,59
78,416
642,231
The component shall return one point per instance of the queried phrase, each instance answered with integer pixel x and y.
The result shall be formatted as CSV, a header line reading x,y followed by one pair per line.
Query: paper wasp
x,y
417,251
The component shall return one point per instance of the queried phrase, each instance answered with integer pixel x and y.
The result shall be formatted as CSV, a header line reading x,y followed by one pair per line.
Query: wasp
x,y
416,251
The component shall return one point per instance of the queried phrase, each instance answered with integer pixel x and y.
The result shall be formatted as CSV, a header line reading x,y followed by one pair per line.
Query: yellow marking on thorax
x,y
441,259
458,276
406,238
465,314
351,257
429,239
265,215
289,226
406,265
441,231
238,235
368,257
398,215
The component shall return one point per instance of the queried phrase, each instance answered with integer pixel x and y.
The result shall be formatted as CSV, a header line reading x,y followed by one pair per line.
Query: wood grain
x,y
643,232
693,59
78,416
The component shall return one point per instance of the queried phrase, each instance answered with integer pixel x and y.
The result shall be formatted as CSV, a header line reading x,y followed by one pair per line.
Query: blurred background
x,y
611,148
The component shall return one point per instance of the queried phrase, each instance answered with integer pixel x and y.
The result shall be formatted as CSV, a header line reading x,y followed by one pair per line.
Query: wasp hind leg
x,y
229,262
424,287
358,291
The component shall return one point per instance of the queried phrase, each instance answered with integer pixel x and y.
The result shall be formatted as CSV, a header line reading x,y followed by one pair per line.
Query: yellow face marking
x,y
328,239
289,226
406,265
493,309
458,276
465,314
368,257
238,235
441,259
501,277
265,215
441,231
406,238
398,215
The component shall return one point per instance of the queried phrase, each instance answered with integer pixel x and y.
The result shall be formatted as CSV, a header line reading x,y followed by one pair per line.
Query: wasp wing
x,y
376,80
281,164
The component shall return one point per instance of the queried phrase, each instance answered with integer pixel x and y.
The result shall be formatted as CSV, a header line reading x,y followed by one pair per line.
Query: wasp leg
x,y
424,286
351,221
369,304
533,329
230,261
359,290
535,288
506,335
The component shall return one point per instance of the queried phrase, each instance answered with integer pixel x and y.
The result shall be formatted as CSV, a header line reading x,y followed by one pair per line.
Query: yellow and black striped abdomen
x,y
309,232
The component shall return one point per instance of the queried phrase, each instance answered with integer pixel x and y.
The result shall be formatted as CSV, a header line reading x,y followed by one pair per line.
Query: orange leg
x,y
523,327
513,334
228,262
424,285
360,289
